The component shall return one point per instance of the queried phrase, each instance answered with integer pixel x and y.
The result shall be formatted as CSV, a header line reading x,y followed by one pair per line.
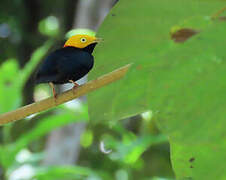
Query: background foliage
x,y
176,84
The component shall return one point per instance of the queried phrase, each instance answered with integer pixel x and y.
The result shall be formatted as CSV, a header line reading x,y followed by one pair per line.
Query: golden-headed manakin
x,y
70,63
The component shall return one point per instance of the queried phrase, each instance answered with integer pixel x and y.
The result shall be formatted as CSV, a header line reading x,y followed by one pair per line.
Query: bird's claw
x,y
76,85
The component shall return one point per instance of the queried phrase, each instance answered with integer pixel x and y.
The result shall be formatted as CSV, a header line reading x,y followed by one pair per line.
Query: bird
x,y
69,63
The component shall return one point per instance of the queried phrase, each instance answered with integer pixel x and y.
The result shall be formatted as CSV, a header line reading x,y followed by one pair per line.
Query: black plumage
x,y
68,63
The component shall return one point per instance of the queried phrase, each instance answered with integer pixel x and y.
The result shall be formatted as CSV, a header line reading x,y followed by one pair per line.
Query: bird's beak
x,y
98,40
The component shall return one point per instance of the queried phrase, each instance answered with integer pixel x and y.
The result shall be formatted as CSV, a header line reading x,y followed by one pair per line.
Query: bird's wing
x,y
75,63
64,65
48,71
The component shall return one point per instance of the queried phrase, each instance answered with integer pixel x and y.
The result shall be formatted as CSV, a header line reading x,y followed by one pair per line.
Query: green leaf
x,y
63,172
86,138
44,127
192,111
182,83
9,91
135,32
80,31
13,80
131,151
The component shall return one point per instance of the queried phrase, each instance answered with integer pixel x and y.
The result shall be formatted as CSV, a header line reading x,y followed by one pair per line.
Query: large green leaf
x,y
191,107
135,32
182,83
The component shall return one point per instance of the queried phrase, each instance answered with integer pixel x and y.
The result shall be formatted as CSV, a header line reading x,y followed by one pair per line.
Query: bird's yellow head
x,y
81,41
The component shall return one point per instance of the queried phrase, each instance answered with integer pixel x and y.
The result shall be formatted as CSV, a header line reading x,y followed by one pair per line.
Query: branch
x,y
66,96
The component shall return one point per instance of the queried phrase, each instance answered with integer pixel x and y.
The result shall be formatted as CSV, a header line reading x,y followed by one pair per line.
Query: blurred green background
x,y
171,103
63,143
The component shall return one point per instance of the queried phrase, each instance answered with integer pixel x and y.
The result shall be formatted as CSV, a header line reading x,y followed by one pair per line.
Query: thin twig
x,y
66,96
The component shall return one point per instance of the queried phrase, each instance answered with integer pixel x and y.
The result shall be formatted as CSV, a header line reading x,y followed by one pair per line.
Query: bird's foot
x,y
76,85
53,90
55,96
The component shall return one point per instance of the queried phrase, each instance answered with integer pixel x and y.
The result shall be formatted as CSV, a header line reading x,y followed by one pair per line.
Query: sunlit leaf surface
x,y
182,82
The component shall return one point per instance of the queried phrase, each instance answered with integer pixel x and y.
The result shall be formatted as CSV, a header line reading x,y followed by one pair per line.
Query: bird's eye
x,y
83,40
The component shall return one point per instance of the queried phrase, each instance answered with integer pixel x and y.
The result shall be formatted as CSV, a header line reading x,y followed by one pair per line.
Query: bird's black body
x,y
68,63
